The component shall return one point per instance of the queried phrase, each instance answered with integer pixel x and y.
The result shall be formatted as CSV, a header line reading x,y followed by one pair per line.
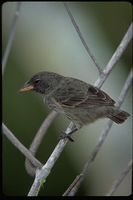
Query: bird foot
x,y
65,135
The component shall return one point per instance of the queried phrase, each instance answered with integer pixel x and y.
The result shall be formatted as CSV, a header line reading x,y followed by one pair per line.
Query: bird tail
x,y
119,117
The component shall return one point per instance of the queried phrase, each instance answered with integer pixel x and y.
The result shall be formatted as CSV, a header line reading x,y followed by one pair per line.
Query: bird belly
x,y
86,116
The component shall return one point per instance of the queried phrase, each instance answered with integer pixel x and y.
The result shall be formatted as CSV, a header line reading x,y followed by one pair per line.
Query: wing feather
x,y
87,96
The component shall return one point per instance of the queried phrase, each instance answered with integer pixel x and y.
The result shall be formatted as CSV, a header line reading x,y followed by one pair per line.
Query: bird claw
x,y
65,135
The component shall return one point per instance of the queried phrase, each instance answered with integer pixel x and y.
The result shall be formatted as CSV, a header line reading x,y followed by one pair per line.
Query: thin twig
x,y
37,140
20,146
66,193
103,135
44,172
42,131
120,178
11,36
82,39
116,56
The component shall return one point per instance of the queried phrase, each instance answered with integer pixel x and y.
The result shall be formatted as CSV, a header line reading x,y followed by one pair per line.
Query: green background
x,y
45,40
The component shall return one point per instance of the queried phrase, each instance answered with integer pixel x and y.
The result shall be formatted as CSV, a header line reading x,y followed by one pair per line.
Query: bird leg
x,y
66,134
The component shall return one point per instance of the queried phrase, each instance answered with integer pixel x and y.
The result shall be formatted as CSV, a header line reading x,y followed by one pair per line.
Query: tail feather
x,y
120,117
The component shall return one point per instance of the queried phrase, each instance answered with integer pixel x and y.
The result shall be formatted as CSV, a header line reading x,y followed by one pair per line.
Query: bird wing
x,y
88,96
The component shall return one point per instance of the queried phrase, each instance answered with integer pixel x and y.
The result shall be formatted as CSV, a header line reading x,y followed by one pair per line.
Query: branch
x,y
82,39
11,37
42,131
120,178
103,135
116,56
20,146
44,172
37,140
66,193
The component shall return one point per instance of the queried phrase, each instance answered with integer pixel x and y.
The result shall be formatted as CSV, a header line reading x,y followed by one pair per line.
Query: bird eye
x,y
37,81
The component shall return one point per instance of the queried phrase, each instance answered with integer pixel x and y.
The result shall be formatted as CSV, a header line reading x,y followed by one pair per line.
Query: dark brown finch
x,y
80,102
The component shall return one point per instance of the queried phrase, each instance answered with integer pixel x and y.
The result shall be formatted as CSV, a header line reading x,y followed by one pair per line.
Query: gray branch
x,y
31,170
11,37
42,174
20,146
120,178
116,56
82,39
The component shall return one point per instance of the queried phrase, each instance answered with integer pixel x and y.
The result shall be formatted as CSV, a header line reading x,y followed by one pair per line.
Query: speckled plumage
x,y
80,102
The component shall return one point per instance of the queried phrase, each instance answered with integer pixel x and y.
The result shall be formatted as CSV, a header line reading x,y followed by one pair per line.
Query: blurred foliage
x,y
45,39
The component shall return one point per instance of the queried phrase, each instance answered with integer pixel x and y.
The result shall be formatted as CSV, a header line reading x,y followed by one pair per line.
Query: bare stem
x,y
20,146
11,36
66,193
44,172
37,140
116,56
42,131
120,178
82,39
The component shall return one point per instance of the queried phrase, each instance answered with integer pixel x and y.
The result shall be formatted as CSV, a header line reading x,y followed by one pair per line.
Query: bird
x,y
80,102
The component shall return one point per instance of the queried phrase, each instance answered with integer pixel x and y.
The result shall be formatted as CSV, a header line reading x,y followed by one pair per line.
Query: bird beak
x,y
26,87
